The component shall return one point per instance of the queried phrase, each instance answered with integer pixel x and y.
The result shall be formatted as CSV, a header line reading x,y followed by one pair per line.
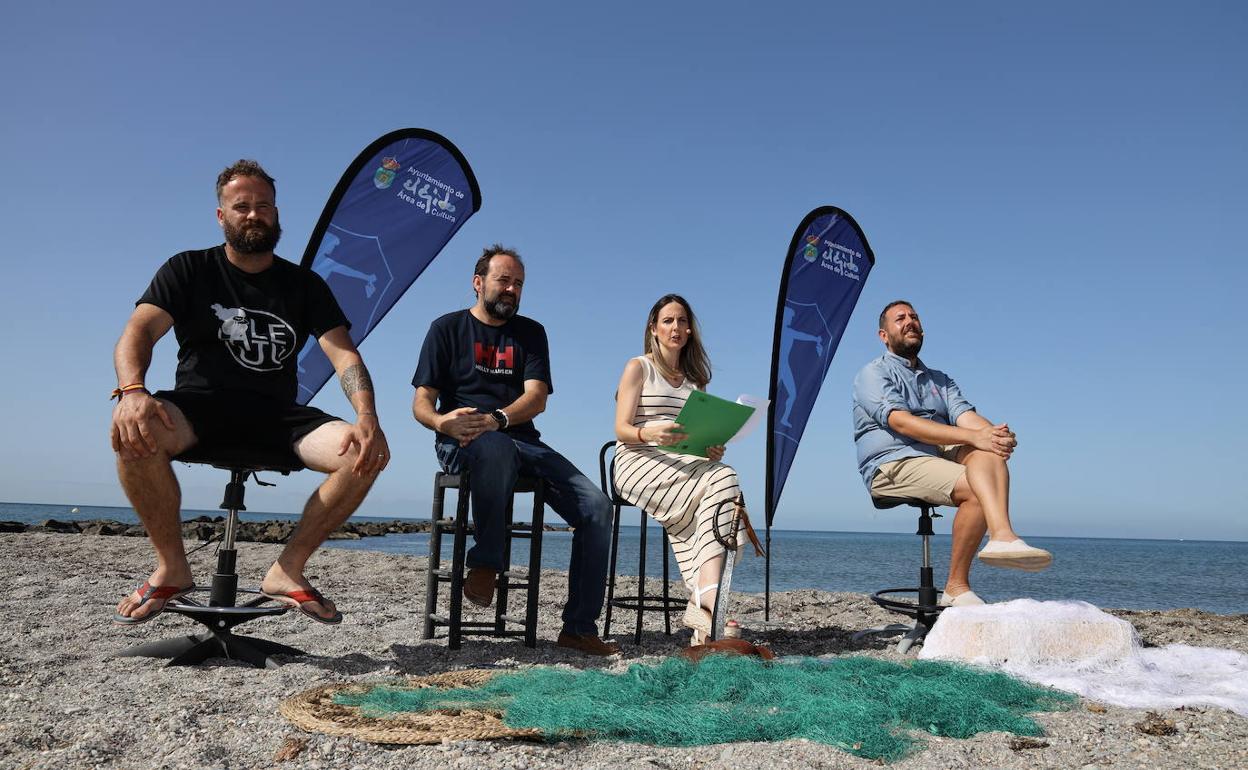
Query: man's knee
x,y
982,458
492,450
580,502
319,449
595,507
181,437
130,464
168,443
344,468
599,508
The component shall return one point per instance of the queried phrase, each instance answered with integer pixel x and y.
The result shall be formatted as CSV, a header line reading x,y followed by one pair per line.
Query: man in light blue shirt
x,y
919,438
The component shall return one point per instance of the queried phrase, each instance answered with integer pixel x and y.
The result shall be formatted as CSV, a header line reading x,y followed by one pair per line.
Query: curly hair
x,y
244,167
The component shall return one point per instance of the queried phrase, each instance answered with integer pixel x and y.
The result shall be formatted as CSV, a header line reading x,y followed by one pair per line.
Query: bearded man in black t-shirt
x,y
240,315
488,369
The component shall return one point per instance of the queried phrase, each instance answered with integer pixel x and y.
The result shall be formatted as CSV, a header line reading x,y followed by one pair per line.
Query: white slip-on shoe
x,y
965,599
1016,555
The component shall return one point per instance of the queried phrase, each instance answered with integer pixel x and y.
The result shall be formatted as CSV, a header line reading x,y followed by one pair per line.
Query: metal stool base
x,y
914,633
222,613
923,610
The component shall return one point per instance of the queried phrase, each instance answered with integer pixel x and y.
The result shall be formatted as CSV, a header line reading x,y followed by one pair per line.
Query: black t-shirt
x,y
482,366
240,331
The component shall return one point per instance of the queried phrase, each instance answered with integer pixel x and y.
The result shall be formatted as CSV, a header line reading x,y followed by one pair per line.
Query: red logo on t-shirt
x,y
494,360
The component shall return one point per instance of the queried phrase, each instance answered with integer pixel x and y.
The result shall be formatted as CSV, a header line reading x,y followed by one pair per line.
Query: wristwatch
x,y
500,417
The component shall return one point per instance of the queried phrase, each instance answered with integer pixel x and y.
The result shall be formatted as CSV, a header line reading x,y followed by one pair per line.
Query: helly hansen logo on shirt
x,y
491,359
256,339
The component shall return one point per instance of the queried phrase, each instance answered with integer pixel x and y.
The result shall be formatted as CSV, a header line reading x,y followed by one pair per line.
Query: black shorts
x,y
228,421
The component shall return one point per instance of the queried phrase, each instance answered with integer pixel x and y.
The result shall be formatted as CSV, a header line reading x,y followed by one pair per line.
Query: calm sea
x,y
1131,574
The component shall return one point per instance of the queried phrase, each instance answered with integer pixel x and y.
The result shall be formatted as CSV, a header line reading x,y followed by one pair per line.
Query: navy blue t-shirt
x,y
474,364
240,331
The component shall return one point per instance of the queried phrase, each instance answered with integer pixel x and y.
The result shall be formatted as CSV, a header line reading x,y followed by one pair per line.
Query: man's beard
x,y
905,349
499,307
253,237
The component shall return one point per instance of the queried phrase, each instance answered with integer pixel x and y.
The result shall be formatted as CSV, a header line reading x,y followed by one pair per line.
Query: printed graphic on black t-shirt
x,y
474,364
240,331
257,339
491,359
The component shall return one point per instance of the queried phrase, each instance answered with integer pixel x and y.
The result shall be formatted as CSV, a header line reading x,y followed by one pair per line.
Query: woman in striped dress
x,y
691,496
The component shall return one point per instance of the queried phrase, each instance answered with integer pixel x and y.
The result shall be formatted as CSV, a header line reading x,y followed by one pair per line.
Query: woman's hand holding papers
x,y
663,434
715,453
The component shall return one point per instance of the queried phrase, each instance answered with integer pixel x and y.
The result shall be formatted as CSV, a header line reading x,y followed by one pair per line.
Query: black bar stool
x,y
641,602
223,612
460,527
924,609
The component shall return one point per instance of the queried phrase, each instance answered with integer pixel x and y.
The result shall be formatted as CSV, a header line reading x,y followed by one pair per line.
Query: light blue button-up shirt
x,y
888,383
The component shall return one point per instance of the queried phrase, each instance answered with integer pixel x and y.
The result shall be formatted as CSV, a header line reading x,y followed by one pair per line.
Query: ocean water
x,y
1117,573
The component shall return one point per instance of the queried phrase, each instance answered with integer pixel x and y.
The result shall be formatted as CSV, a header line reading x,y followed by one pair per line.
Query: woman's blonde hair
x,y
694,362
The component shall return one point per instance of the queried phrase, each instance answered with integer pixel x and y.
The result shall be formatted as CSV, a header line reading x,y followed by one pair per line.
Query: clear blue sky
x,y
1059,188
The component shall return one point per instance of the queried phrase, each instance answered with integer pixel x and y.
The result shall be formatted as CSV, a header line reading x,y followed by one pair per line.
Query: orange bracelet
x,y
124,389
640,440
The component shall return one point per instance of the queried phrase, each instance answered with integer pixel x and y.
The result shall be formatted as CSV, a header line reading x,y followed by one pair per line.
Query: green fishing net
x,y
862,705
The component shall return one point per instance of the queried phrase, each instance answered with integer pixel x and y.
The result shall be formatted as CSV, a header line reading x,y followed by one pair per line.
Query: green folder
x,y
708,421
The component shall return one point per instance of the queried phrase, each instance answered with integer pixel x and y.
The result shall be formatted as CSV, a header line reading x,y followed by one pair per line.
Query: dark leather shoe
x,y
479,586
586,643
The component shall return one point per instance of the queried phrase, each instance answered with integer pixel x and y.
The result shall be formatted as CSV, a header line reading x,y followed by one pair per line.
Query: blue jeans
x,y
494,460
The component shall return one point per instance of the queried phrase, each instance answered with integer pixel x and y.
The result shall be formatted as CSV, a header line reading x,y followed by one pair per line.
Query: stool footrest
x,y
649,603
448,525
490,630
484,628
909,608
479,625
444,573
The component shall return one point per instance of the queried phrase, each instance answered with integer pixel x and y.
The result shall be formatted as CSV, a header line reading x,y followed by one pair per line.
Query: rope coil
x,y
316,711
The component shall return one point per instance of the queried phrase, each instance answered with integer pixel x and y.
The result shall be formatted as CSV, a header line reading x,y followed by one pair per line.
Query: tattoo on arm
x,y
355,379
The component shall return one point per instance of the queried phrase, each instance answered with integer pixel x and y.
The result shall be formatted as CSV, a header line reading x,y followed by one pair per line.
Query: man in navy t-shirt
x,y
240,314
483,375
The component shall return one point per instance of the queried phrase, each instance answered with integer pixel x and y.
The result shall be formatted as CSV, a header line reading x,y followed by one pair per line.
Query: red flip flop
x,y
296,599
148,592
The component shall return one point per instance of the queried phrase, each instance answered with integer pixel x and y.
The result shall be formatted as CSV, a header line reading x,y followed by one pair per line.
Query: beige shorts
x,y
926,478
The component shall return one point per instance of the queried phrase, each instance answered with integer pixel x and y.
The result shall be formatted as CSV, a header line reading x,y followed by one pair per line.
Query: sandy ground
x,y
66,703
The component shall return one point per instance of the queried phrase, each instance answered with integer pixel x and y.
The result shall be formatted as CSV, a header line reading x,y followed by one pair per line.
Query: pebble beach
x,y
68,703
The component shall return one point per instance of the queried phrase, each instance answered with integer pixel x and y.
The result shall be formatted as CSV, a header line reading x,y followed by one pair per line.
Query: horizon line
x,y
219,511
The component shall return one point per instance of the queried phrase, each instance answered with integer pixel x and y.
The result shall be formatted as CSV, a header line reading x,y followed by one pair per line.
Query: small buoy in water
x,y
73,510
732,630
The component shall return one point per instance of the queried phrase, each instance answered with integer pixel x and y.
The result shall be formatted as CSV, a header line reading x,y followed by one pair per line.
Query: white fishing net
x,y
1076,647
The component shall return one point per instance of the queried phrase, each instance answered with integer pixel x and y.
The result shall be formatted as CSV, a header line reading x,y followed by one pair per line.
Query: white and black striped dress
x,y
684,493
